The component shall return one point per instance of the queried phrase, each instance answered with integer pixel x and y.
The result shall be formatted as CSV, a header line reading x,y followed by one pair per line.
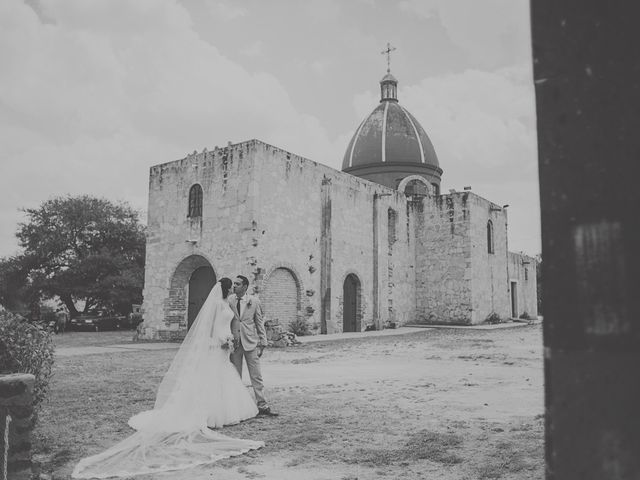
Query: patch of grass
x,y
517,454
94,339
424,445
294,462
249,474
433,446
297,361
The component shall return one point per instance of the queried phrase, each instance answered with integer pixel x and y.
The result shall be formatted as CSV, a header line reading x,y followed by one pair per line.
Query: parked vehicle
x,y
96,322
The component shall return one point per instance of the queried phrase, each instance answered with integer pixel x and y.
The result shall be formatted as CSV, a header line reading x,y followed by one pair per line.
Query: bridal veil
x,y
174,435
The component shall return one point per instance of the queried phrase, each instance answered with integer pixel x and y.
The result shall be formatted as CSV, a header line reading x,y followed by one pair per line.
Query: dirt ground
x,y
434,404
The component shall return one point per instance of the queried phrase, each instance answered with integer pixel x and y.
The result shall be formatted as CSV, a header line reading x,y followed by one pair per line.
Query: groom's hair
x,y
225,285
245,280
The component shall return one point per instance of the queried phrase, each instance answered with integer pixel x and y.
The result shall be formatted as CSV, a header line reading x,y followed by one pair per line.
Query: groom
x,y
249,337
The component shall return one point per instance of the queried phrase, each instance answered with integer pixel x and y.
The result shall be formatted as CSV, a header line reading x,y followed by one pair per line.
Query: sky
x,y
94,92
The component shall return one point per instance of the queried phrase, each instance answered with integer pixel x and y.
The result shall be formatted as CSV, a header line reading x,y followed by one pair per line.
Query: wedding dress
x,y
201,389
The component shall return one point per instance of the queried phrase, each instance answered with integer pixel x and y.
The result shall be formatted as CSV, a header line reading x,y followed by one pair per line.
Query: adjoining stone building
x,y
374,245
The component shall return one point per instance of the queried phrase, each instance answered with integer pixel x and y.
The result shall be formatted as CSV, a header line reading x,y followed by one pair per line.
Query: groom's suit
x,y
248,330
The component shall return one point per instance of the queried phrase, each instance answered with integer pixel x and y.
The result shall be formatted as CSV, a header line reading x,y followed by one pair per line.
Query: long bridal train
x,y
200,390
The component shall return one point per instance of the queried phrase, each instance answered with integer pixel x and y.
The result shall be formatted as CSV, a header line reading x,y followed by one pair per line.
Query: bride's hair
x,y
225,284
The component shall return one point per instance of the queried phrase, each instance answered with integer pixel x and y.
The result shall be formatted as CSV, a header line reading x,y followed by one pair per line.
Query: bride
x,y
201,390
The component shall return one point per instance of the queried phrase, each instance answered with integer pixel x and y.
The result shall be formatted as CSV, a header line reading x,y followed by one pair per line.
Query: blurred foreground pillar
x,y
16,421
587,81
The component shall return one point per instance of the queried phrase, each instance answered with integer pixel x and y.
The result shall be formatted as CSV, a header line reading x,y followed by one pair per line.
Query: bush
x,y
299,327
526,316
493,318
26,348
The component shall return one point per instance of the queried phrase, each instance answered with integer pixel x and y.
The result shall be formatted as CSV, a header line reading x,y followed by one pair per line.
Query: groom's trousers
x,y
253,365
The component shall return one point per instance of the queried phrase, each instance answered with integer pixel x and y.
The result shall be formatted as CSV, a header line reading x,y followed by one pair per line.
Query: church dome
x,y
390,144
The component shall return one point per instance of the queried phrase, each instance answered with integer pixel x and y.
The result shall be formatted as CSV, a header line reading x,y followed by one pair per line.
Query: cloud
x,y
225,11
493,32
482,120
321,66
482,125
255,49
322,10
88,104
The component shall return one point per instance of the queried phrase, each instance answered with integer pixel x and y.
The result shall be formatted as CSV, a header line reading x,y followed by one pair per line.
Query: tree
x,y
14,290
83,250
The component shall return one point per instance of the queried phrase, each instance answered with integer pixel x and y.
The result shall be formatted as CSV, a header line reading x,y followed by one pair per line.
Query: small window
x,y
490,247
526,273
436,188
195,201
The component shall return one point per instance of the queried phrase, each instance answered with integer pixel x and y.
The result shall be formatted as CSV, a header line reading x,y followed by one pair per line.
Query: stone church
x,y
375,245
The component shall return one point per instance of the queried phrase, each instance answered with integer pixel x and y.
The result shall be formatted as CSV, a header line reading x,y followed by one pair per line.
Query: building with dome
x,y
375,245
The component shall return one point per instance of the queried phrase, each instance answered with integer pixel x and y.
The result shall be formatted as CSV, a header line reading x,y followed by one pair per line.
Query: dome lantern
x,y
388,88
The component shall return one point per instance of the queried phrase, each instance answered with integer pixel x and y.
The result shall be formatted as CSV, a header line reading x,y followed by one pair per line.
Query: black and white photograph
x,y
319,239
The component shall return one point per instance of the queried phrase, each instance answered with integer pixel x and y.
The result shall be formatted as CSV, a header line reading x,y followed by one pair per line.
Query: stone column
x,y
325,256
17,420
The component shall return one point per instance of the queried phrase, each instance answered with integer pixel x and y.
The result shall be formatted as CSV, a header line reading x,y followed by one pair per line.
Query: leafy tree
x,y
83,250
12,282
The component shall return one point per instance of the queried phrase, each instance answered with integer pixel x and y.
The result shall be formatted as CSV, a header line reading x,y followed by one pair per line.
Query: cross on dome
x,y
387,52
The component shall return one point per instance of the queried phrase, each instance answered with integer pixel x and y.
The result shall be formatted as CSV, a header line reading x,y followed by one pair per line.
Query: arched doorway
x,y
200,284
281,297
186,289
351,304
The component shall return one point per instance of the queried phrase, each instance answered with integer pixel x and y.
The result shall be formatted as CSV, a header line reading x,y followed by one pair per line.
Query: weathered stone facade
x,y
522,285
338,251
488,226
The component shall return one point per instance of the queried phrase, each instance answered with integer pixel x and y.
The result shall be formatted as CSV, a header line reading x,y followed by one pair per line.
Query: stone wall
x,y
490,288
221,237
296,194
397,260
443,259
522,272
267,211
16,415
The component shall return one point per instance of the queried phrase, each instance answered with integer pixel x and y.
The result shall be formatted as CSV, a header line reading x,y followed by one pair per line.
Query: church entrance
x,y
191,282
200,284
351,304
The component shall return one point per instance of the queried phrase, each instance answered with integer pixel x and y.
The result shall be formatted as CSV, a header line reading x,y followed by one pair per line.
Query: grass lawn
x,y
441,404
87,339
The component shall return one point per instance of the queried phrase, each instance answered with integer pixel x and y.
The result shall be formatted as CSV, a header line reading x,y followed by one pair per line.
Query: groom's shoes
x,y
266,412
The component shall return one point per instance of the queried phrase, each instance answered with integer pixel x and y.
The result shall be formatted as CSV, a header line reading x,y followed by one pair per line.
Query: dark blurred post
x,y
587,77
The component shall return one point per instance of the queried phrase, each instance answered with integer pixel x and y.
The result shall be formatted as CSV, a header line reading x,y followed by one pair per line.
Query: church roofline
x,y
475,195
234,146
254,141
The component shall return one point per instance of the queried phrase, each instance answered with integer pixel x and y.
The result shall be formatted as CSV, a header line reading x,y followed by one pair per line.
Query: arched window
x,y
416,188
490,248
195,201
